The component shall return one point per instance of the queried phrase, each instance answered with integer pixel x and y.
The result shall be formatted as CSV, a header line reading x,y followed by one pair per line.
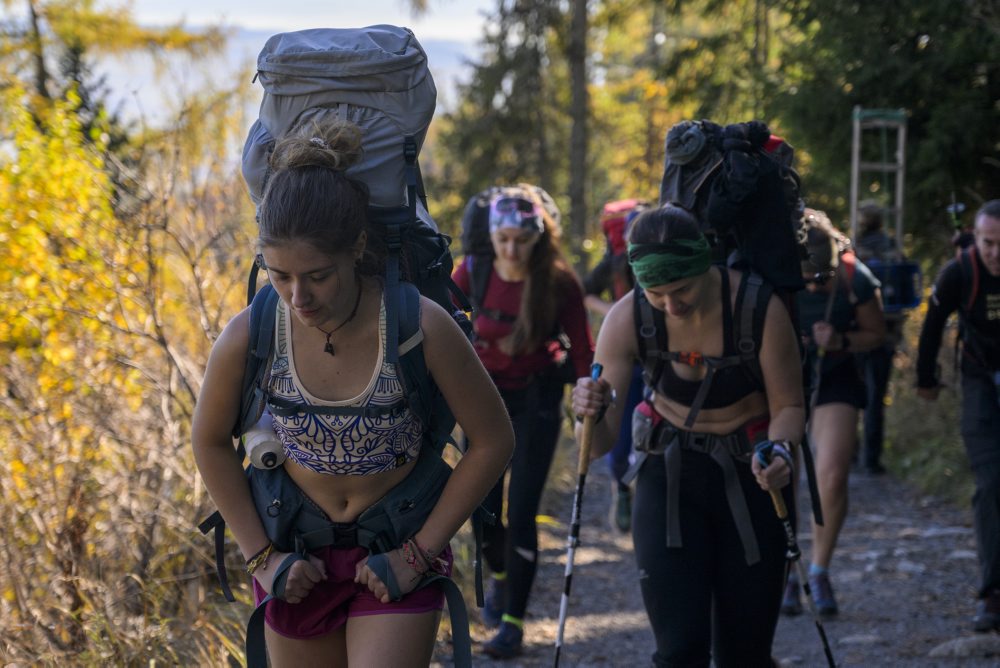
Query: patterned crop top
x,y
349,442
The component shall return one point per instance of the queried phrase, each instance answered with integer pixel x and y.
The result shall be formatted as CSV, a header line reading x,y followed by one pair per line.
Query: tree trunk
x,y
38,53
578,134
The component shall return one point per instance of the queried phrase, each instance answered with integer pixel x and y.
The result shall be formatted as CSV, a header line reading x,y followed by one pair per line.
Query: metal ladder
x,y
882,120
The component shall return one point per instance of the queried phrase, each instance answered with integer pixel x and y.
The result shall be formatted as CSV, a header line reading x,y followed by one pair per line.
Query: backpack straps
x,y
651,336
752,299
849,261
252,401
970,274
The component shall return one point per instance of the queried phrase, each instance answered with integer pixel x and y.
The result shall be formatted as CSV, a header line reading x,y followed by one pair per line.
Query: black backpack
x,y
739,182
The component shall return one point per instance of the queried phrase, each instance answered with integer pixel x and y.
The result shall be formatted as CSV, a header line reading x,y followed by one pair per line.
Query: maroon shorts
x,y
333,600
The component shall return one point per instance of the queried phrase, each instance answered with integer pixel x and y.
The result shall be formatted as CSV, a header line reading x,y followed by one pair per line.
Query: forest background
x,y
126,247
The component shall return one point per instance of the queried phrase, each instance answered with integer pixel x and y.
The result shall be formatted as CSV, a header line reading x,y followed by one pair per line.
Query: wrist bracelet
x,y
436,562
259,560
413,557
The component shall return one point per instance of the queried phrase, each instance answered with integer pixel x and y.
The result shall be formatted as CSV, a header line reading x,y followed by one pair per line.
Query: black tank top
x,y
729,385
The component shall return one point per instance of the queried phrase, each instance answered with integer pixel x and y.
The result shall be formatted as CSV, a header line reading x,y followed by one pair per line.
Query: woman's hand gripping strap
x,y
256,648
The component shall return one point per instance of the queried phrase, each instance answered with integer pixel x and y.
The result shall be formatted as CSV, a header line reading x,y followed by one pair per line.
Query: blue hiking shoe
x,y
822,593
492,609
507,643
791,603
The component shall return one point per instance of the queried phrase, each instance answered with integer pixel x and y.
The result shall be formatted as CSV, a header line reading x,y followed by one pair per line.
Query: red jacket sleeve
x,y
573,320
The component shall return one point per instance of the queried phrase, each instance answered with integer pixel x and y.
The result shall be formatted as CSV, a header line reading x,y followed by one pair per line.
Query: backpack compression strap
x,y
261,343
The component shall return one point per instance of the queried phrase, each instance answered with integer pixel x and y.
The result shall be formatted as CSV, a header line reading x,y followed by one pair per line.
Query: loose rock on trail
x,y
904,574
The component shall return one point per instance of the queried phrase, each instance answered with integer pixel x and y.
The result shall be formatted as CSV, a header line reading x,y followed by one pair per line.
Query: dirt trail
x,y
904,574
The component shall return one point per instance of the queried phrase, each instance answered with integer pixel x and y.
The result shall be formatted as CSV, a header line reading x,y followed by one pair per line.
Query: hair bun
x,y
330,143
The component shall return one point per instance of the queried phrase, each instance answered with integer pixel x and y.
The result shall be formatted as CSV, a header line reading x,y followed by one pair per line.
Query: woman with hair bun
x,y
715,434
330,354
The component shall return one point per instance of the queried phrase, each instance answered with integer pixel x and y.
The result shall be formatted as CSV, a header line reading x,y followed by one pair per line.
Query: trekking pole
x,y
795,555
583,463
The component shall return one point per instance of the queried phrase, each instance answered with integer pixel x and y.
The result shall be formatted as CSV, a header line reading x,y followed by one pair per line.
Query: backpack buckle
x,y
393,236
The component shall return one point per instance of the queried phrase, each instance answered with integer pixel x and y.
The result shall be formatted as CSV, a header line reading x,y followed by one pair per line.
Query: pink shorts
x,y
338,597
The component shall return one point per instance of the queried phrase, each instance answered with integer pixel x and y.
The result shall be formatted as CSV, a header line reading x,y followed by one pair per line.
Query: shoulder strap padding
x,y
252,397
849,261
651,333
480,270
970,278
422,393
752,299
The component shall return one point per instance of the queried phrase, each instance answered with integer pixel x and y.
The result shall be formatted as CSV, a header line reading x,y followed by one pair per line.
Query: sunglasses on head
x,y
515,212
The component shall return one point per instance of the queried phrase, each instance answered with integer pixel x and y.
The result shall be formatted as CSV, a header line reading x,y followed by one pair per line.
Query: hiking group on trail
x,y
729,349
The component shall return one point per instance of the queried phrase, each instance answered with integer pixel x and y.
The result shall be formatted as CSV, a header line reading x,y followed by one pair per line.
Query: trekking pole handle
x,y
588,428
779,504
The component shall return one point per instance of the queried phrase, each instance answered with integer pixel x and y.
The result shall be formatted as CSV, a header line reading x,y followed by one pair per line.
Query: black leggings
x,y
702,599
536,413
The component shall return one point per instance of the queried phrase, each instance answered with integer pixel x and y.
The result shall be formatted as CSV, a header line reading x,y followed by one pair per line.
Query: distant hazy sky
x,y
450,31
459,20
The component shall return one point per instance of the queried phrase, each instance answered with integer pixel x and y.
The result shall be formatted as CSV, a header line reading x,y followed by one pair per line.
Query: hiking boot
x,y
623,508
822,593
791,603
987,616
506,644
492,609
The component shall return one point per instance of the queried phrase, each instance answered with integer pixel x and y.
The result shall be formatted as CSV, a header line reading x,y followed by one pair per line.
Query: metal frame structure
x,y
882,120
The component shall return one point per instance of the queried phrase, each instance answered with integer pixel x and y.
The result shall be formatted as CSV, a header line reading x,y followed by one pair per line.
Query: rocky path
x,y
904,574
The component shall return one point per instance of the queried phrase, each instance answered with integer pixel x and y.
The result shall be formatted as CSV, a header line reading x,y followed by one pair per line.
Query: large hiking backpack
x,y
377,78
739,182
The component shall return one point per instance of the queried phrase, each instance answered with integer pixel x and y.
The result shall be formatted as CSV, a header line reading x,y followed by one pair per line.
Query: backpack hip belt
x,y
668,441
293,522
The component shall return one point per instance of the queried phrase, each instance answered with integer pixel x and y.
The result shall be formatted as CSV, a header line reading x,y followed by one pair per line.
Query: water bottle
x,y
262,445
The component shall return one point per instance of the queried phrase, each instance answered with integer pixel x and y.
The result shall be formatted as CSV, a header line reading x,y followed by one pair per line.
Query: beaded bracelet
x,y
413,556
437,563
259,560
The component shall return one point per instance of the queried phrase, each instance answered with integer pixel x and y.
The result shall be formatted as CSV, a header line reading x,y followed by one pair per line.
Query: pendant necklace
x,y
328,349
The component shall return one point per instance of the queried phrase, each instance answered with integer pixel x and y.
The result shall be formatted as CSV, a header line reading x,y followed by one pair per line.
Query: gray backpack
x,y
377,78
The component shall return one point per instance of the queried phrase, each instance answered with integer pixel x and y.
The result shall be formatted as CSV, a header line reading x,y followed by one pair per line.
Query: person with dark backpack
x,y
840,313
527,299
970,285
722,416
877,249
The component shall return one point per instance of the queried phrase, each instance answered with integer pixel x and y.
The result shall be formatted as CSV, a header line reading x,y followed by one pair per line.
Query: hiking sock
x,y
815,570
511,619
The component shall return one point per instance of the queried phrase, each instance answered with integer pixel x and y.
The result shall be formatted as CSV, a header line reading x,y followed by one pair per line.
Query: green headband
x,y
662,263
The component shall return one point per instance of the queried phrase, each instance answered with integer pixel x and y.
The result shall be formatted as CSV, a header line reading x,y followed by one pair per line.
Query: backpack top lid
x,y
377,77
